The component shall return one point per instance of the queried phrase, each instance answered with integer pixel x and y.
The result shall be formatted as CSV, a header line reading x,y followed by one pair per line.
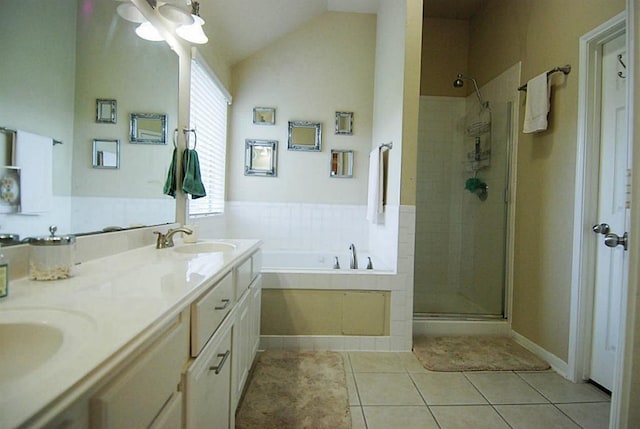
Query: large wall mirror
x,y
51,89
305,135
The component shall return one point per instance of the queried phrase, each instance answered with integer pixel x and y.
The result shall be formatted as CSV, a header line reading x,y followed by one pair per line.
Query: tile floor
x,y
393,390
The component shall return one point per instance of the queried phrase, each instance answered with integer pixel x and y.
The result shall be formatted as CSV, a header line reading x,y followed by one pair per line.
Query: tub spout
x,y
353,263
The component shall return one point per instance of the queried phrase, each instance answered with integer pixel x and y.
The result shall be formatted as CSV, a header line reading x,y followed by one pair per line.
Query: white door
x,y
613,214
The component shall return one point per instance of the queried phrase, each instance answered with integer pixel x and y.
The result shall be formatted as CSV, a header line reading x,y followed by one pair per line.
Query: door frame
x,y
585,205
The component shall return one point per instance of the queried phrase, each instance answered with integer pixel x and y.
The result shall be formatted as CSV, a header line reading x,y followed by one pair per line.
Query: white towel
x,y
375,207
537,107
34,155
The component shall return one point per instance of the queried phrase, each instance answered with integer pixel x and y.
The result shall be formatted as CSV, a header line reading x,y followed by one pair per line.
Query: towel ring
x,y
175,138
186,132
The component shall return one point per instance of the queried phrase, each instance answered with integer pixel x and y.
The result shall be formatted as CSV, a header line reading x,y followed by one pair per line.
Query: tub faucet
x,y
353,262
166,240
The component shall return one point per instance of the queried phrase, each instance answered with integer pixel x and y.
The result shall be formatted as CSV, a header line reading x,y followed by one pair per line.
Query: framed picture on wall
x,y
106,111
264,115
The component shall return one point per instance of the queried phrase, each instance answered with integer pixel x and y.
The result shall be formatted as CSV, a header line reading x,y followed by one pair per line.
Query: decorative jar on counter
x,y
52,257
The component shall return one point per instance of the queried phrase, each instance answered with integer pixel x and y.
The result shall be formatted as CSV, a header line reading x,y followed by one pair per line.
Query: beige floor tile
x,y
357,419
351,389
411,362
560,390
447,388
468,416
399,417
588,415
387,389
505,388
536,416
376,362
347,361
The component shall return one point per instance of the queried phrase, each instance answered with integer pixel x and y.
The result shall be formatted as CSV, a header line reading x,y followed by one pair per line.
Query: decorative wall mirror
x,y
341,163
305,135
264,115
106,111
344,123
106,153
260,157
149,128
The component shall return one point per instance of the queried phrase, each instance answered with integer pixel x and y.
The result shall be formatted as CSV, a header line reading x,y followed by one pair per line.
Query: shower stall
x,y
465,150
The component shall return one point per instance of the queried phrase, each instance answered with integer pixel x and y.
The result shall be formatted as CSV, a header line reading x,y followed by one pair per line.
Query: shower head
x,y
459,83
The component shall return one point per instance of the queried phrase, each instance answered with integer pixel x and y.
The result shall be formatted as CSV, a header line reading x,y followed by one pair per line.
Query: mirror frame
x,y
317,126
249,146
133,128
106,111
347,129
269,117
97,162
334,173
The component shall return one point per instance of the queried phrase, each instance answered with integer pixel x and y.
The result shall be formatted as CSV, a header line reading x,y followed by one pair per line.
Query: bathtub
x,y
292,261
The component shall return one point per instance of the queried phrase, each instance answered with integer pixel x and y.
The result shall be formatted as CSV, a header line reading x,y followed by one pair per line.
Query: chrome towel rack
x,y
564,69
10,131
387,146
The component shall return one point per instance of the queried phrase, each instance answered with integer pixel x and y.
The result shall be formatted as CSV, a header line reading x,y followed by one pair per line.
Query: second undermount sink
x,y
31,338
206,247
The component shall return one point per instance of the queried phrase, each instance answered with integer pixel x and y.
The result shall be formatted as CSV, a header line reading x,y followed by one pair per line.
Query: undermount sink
x,y
206,247
30,338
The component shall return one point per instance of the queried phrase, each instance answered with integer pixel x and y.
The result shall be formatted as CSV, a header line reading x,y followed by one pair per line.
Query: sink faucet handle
x,y
159,240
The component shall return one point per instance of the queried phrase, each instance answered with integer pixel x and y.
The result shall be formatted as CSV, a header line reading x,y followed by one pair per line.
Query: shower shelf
x,y
473,166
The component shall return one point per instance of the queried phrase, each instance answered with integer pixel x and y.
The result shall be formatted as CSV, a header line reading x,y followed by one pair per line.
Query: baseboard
x,y
557,364
460,327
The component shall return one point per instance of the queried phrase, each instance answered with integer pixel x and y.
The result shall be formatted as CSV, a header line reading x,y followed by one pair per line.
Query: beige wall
x,y
445,49
37,79
324,66
546,161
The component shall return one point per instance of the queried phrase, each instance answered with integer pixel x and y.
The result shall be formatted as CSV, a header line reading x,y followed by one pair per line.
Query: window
x,y
208,112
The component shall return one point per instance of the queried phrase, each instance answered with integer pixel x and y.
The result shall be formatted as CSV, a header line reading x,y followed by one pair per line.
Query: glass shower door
x,y
461,211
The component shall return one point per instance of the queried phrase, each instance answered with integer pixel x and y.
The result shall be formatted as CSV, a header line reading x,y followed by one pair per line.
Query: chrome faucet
x,y
166,240
353,261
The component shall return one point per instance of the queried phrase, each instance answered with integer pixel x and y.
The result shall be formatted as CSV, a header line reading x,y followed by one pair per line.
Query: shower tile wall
x,y
460,239
438,229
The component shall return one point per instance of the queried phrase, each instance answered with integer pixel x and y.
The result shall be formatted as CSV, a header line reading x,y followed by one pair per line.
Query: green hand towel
x,y
170,185
192,182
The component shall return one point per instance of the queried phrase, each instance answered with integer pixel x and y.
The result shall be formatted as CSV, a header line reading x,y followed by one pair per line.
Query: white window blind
x,y
208,113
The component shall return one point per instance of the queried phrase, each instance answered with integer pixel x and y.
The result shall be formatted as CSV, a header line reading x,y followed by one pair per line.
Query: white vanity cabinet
x,y
145,393
246,331
207,384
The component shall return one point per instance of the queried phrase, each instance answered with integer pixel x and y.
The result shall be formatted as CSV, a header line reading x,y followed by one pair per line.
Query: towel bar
x,y
564,69
7,130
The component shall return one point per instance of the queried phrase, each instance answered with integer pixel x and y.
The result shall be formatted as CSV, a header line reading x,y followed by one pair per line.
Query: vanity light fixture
x,y
147,31
193,33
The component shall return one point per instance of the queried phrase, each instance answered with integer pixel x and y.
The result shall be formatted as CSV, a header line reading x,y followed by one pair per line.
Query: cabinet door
x,y
256,304
135,397
241,349
208,384
171,415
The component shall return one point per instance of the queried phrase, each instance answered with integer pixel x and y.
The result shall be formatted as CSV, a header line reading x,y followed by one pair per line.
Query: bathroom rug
x,y
296,390
477,353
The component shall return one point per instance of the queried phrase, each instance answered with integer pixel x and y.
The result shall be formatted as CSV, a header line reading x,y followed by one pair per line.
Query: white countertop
x,y
108,308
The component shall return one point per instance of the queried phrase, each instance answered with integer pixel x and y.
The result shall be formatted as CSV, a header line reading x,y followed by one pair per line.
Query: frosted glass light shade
x,y
129,12
176,15
193,33
148,32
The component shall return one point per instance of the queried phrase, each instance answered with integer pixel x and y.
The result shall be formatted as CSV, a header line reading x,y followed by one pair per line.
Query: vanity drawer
x,y
135,397
243,277
209,311
256,264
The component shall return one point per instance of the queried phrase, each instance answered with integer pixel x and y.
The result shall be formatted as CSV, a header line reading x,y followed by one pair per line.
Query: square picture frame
x,y
264,115
106,111
344,123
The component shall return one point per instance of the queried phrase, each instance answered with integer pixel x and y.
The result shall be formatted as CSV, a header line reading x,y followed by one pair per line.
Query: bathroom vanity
x,y
145,338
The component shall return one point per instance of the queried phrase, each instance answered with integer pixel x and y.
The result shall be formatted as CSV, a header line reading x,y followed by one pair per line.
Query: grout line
x,y
487,399
422,397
